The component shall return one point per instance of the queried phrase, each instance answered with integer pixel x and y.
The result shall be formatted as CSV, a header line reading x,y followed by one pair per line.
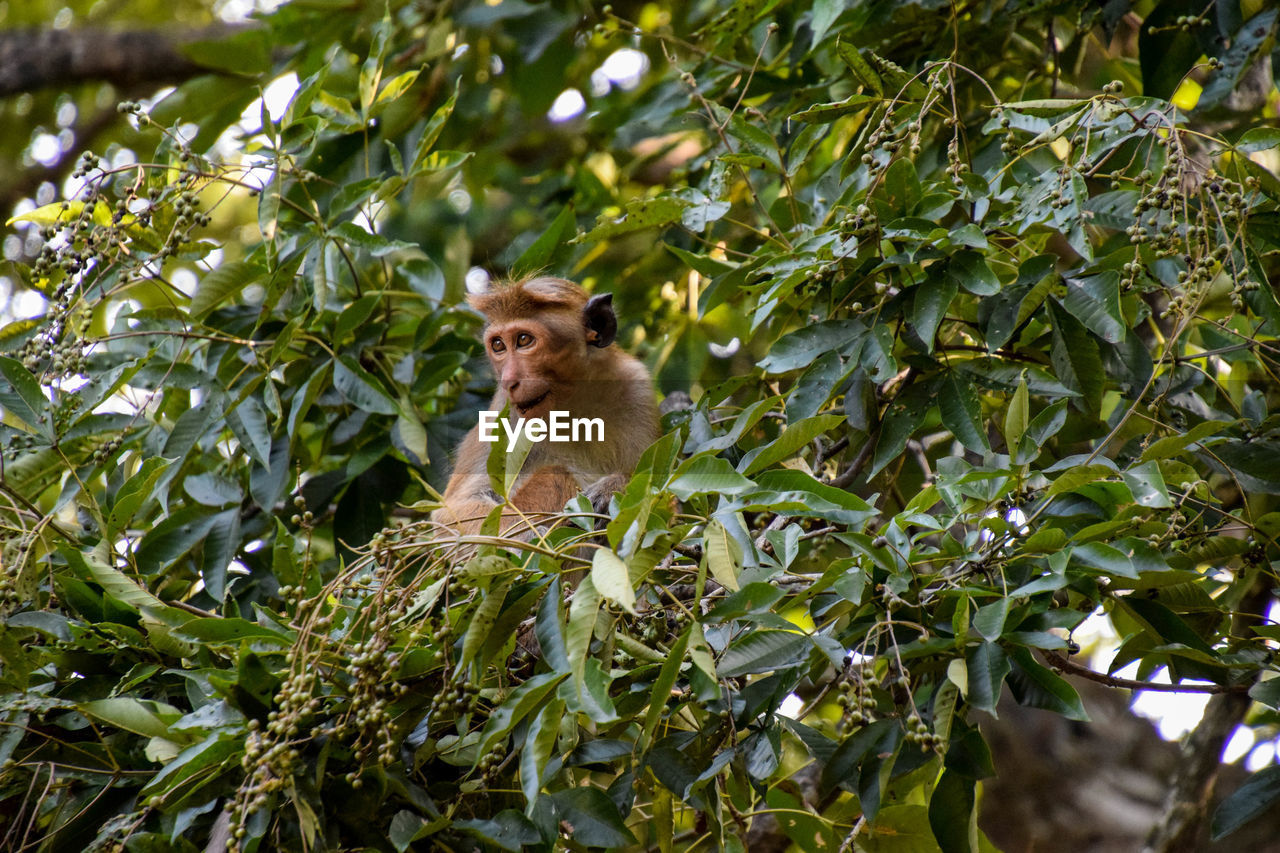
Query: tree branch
x,y
31,60
1061,663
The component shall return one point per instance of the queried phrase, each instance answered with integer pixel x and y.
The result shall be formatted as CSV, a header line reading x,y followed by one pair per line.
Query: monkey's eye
x,y
497,345
524,339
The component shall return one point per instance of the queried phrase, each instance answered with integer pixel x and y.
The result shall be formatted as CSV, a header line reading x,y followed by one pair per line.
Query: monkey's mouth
x,y
524,408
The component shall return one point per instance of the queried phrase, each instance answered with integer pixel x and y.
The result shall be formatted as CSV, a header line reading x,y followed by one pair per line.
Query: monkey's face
x,y
534,363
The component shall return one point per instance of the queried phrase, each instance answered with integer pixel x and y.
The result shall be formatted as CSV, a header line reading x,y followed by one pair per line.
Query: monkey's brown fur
x,y
551,350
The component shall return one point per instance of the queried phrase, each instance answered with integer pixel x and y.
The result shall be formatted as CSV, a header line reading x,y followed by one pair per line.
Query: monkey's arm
x,y
605,488
469,499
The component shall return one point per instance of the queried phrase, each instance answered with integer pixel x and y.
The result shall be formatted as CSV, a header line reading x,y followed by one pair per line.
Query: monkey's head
x,y
541,337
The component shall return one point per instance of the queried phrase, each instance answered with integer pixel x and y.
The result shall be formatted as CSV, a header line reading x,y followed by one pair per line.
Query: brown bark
x,y
1102,787
1186,810
31,60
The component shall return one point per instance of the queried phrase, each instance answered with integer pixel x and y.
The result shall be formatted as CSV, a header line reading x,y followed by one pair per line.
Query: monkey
x,y
552,350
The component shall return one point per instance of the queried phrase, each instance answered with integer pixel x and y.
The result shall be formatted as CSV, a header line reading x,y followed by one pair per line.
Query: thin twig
x,y
1062,663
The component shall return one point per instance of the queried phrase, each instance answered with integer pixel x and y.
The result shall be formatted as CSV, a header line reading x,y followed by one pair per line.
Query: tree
x,y
981,343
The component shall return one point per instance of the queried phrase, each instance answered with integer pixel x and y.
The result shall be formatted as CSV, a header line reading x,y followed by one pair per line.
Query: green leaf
x,y
898,82
175,536
361,388
903,417
952,816
1080,475
304,397
722,554
441,163
1075,356
485,565
396,86
986,665
1175,444
193,768
431,132
481,622
135,491
828,112
764,650
703,474
710,267
406,828
352,235
1163,624
17,328
704,663
410,434
508,830
638,215
133,715
211,489
548,244
610,576
354,316
1016,416
1256,464
790,491
801,347
114,582
1094,300
962,413
1036,686
1246,43
521,702
539,745
1104,558
969,269
582,622
1258,139
791,440
1005,312
862,71
825,13
49,214
1147,485
661,693
1267,692
755,140
990,618
901,189
249,423
929,305
425,279
222,284
23,397
1254,798
593,816
231,631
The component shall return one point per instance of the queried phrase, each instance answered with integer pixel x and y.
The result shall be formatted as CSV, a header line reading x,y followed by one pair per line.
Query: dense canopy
x,y
975,301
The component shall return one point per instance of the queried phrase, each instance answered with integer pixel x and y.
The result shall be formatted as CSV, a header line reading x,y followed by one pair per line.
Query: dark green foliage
x,y
976,350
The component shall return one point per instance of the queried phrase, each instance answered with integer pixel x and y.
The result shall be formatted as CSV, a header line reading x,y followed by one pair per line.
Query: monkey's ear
x,y
601,323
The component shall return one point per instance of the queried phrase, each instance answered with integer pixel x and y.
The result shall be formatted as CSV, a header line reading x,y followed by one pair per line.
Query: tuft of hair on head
x,y
522,297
